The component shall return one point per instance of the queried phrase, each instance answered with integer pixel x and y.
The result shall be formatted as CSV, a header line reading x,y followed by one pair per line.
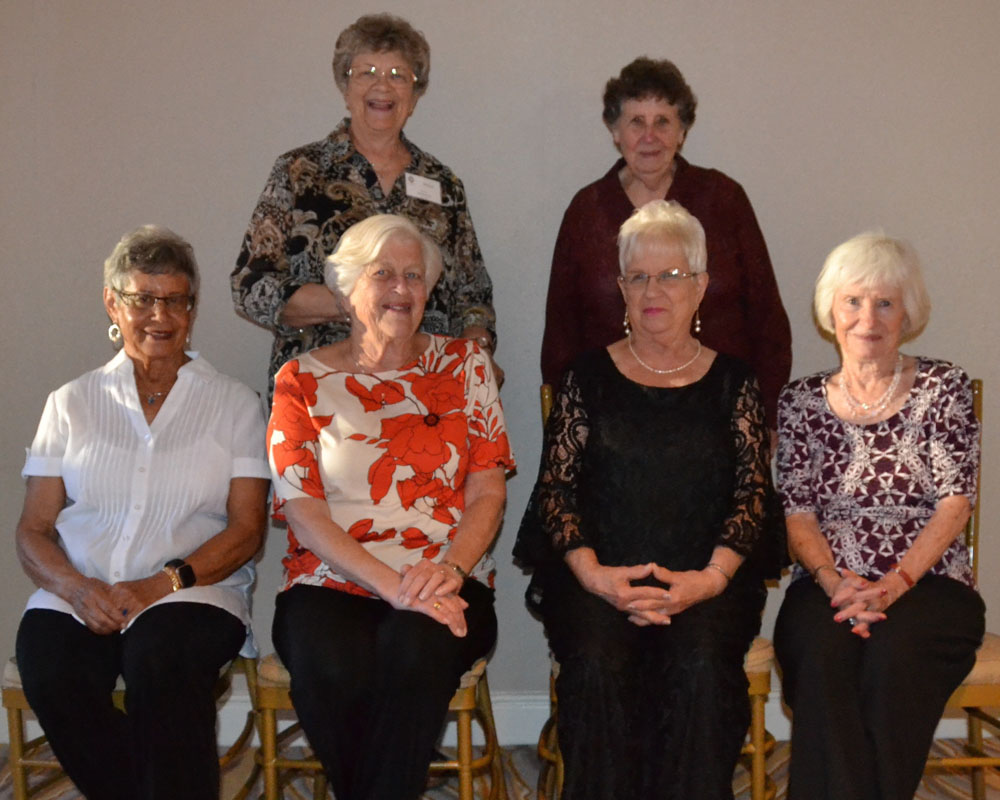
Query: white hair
x,y
659,221
361,244
874,259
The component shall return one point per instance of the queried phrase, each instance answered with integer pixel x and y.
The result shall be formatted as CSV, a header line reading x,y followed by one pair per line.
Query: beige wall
x,y
835,116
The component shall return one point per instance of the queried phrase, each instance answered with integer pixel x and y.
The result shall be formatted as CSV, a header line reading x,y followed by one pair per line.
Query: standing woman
x,y
365,166
146,502
877,465
649,109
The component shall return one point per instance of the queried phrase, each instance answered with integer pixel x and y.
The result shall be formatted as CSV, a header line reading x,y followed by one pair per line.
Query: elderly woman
x,y
146,501
649,109
388,451
365,166
877,464
649,501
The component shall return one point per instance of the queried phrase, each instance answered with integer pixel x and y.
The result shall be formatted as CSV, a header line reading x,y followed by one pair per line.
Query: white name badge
x,y
423,188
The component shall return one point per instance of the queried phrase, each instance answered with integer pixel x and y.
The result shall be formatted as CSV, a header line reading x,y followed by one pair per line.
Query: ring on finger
x,y
437,605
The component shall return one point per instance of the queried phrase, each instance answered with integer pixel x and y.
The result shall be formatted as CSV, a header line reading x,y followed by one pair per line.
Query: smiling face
x,y
662,308
155,333
868,321
389,298
648,133
383,101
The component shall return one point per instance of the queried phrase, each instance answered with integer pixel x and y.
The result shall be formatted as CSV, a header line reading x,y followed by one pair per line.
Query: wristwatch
x,y
184,571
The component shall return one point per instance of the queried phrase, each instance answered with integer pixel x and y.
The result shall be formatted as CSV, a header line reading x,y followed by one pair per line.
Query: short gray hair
x,y
361,244
151,250
383,33
874,259
659,220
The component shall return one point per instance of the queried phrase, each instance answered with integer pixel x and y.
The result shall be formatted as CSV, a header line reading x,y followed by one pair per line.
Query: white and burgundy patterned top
x,y
874,486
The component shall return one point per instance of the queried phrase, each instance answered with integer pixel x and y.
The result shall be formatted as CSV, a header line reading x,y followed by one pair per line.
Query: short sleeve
x,y
293,437
795,468
45,456
489,446
249,444
954,438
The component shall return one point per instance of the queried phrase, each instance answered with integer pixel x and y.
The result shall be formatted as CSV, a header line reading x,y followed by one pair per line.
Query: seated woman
x,y
650,499
877,466
146,502
388,451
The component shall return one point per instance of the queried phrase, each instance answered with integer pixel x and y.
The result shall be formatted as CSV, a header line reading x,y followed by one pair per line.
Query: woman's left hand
x,y
427,578
862,608
132,597
685,590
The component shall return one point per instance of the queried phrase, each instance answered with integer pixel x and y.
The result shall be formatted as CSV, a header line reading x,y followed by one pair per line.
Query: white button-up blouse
x,y
140,494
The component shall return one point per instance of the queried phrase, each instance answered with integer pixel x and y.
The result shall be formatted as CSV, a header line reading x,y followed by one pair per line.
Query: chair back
x,y
972,526
545,392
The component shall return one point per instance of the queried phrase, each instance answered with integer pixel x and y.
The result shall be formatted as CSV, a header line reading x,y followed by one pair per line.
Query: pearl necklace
x,y
670,371
870,410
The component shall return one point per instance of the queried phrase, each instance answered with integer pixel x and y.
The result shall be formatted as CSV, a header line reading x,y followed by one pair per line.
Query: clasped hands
x,y
861,602
432,588
652,605
109,608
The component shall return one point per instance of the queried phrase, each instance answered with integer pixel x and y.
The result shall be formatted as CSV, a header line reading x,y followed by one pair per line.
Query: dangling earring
x,y
697,322
114,333
626,324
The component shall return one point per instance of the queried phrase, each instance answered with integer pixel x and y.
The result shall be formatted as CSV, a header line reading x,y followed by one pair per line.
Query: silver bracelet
x,y
725,574
458,570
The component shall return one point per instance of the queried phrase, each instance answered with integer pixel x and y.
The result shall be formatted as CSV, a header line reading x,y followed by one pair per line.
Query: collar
x,y
197,368
339,140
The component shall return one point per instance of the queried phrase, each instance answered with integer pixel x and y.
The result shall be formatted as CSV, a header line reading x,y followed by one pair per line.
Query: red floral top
x,y
389,452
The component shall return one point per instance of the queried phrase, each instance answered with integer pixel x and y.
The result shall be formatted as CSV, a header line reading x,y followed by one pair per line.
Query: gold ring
x,y
437,605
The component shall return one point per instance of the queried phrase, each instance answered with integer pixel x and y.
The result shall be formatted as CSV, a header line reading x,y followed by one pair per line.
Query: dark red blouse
x,y
741,313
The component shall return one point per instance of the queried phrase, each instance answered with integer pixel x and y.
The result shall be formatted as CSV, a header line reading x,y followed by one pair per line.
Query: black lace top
x,y
641,473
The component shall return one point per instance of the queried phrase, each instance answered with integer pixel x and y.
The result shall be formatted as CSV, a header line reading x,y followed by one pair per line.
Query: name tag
x,y
423,188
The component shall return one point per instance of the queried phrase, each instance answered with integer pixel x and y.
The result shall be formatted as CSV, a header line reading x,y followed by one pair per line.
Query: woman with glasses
x,y
146,501
646,535
365,166
649,109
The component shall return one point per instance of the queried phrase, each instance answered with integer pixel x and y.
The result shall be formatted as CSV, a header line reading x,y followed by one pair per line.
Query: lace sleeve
x,y
551,523
745,523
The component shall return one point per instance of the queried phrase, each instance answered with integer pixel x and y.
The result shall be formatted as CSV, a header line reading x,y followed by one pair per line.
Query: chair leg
x,y
498,787
319,786
758,759
269,752
15,730
465,788
977,774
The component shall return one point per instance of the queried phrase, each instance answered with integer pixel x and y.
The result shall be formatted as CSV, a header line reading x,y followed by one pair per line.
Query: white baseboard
x,y
519,718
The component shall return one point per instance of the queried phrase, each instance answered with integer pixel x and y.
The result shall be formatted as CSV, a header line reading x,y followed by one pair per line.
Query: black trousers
x,y
865,711
651,712
164,746
371,684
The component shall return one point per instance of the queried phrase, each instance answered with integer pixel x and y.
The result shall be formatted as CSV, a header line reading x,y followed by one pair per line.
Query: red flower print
x,y
383,393
412,489
412,440
439,394
414,538
294,395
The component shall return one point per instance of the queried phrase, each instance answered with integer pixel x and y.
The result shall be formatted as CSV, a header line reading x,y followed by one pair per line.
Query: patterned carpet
x,y
521,770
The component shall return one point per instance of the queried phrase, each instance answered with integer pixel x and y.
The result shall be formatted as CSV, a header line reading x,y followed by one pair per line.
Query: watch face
x,y
184,571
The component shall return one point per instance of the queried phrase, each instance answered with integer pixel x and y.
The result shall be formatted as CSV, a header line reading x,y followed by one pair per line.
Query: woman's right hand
x,y
614,584
93,603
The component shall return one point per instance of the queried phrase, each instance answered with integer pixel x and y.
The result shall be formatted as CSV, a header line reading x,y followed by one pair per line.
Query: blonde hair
x,y
657,221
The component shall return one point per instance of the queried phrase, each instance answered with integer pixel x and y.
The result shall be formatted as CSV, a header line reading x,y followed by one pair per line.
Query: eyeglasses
x,y
140,301
669,278
399,77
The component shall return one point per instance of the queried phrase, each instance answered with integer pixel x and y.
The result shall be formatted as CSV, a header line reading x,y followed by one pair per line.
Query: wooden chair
x,y
759,663
270,695
981,688
26,756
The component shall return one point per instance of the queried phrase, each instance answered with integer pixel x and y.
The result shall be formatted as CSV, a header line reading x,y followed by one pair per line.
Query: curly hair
x,y
646,77
383,33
